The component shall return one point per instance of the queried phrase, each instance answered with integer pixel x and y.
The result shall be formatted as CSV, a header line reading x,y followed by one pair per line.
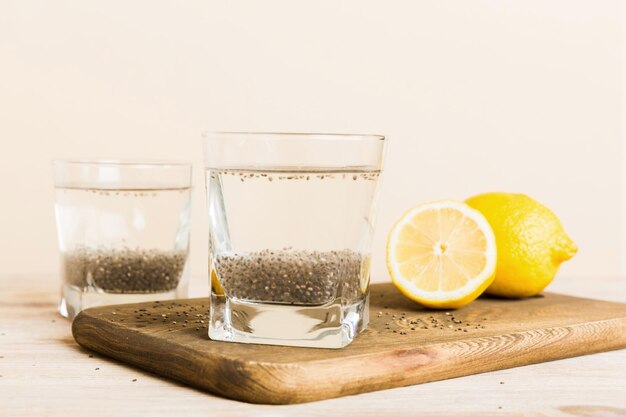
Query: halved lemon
x,y
442,254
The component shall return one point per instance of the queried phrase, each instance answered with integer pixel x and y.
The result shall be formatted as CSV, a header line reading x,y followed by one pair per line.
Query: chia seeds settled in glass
x,y
291,276
124,271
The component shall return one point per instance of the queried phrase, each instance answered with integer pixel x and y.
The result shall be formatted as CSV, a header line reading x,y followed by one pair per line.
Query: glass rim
x,y
308,135
131,163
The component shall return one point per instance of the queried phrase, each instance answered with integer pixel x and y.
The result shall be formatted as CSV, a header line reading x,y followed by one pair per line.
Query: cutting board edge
x,y
244,375
206,300
116,341
407,358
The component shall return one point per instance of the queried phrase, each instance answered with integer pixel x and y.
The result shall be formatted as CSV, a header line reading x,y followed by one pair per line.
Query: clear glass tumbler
x,y
123,231
291,220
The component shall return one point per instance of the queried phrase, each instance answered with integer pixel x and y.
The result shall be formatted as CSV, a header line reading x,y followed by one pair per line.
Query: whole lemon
x,y
530,241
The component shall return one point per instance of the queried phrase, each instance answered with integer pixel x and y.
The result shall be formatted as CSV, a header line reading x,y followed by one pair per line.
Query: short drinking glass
x,y
291,219
123,231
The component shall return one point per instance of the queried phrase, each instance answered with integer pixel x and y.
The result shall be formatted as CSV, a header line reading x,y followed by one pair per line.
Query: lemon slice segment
x,y
442,254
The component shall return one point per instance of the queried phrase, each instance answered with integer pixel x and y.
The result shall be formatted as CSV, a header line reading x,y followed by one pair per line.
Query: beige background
x,y
520,96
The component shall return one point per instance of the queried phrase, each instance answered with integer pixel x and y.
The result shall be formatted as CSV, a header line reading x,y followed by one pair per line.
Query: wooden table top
x,y
43,372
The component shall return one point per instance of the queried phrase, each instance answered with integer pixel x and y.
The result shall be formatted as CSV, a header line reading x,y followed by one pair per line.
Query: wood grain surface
x,y
44,372
489,334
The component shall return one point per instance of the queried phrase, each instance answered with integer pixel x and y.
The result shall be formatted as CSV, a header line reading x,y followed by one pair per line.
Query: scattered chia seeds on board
x,y
402,322
124,271
292,276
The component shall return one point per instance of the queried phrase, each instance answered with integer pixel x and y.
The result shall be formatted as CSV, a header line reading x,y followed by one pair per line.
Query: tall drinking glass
x,y
123,230
291,220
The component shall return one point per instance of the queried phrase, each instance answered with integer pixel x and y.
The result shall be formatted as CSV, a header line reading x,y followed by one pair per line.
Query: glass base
x,y
73,299
331,325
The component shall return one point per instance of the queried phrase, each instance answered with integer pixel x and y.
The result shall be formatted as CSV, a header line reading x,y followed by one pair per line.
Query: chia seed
x,y
124,271
292,276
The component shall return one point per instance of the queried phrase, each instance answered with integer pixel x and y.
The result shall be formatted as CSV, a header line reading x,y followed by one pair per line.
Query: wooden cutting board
x,y
405,344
